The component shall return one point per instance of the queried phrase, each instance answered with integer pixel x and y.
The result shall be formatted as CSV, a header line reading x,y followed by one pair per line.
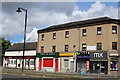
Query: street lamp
x,y
25,10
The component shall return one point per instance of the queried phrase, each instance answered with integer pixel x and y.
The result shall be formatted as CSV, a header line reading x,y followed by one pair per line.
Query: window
x,y
11,61
27,61
54,35
42,37
42,48
66,34
31,62
84,47
99,30
114,29
84,32
66,63
114,45
66,48
114,64
14,61
53,48
99,46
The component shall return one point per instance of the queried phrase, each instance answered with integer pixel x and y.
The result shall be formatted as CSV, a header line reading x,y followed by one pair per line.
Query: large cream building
x,y
98,39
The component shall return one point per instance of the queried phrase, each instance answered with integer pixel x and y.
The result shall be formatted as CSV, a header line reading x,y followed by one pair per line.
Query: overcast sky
x,y
44,14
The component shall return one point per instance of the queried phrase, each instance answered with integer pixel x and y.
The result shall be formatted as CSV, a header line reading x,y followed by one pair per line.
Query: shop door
x,y
40,64
81,66
56,65
72,66
100,67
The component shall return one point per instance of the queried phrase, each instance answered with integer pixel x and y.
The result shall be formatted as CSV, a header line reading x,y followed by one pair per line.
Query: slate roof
x,y
19,46
78,24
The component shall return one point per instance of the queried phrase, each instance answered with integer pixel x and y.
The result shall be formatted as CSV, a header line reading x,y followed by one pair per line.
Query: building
x,y
95,44
14,56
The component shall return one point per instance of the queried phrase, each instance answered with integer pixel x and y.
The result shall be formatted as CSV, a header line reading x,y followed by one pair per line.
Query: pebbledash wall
x,y
94,45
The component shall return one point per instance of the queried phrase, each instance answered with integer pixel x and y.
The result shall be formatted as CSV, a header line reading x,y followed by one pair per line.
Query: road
x,y
9,76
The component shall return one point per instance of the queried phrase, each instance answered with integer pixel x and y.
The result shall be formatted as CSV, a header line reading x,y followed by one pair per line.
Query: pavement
x,y
33,77
71,76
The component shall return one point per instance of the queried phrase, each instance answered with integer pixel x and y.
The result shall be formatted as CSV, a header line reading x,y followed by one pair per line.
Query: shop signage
x,y
82,54
91,47
66,54
56,54
20,57
98,55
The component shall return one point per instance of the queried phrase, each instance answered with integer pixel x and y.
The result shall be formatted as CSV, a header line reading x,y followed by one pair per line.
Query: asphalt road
x,y
8,76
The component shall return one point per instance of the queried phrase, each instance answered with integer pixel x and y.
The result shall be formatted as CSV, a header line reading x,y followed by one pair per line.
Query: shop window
x,y
42,48
84,47
31,62
114,29
114,64
11,61
54,35
114,45
42,37
27,61
8,61
66,62
66,34
14,61
99,30
53,48
48,63
99,46
66,48
84,32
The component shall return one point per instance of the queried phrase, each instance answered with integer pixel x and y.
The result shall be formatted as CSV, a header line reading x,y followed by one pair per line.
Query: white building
x,y
14,56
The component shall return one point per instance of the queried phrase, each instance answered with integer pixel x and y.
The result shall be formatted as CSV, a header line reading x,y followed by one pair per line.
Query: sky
x,y
45,14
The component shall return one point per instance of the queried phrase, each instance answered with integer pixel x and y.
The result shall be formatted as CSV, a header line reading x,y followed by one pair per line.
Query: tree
x,y
4,44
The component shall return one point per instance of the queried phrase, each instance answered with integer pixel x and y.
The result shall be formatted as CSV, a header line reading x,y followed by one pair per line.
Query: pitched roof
x,y
78,24
19,46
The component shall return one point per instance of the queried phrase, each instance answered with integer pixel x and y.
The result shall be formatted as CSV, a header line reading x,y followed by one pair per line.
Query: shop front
x,y
67,62
16,62
113,63
47,62
82,61
99,62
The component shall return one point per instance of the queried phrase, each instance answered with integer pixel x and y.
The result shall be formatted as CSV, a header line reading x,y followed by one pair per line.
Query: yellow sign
x,y
66,54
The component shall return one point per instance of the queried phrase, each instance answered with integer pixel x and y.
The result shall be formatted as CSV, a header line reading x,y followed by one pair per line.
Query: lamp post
x,y
25,10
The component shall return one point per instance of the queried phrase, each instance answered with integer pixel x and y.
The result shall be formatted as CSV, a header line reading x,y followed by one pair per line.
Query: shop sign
x,y
66,54
98,55
91,47
82,54
47,55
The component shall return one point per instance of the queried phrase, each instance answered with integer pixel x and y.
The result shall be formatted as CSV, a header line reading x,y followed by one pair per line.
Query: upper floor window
x,y
114,29
54,35
42,48
99,30
99,46
84,47
66,48
42,37
84,32
53,48
114,45
66,34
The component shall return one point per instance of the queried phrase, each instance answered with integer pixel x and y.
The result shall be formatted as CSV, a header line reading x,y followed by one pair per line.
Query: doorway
x,y
99,67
